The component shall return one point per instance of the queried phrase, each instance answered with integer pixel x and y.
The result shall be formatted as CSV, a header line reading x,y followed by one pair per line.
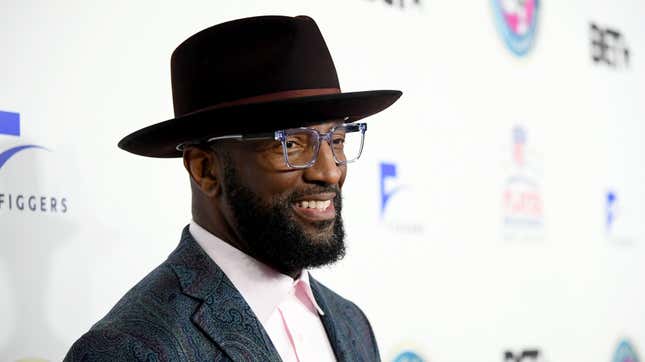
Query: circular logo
x,y
408,356
517,21
625,352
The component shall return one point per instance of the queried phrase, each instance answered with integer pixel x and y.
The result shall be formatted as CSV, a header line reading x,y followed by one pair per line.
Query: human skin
x,y
261,167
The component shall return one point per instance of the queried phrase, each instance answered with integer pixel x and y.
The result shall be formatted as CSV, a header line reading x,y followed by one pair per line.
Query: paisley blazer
x,y
188,310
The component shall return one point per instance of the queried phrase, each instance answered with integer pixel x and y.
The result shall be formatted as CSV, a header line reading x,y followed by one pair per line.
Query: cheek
x,y
267,183
279,185
343,176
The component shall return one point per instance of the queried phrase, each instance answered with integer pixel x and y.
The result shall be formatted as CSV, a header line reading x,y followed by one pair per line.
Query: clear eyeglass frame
x,y
282,137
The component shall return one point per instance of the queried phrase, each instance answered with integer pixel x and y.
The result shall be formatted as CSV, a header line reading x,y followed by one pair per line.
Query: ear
x,y
204,168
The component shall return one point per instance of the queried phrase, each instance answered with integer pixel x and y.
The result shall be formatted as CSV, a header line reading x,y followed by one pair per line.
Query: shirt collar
x,y
262,287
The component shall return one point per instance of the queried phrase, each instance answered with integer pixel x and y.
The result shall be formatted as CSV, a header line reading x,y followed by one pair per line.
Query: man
x,y
265,135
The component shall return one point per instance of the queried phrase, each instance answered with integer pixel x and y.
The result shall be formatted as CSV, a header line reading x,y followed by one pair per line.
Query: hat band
x,y
268,97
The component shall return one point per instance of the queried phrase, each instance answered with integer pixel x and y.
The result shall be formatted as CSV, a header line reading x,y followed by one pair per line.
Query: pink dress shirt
x,y
285,307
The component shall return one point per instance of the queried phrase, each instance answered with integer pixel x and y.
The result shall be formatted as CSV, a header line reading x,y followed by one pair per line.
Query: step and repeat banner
x,y
497,213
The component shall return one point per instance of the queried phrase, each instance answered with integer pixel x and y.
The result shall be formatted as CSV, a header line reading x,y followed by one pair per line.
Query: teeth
x,y
313,204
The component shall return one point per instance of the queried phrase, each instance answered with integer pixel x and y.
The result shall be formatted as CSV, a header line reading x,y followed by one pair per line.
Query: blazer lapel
x,y
223,314
338,331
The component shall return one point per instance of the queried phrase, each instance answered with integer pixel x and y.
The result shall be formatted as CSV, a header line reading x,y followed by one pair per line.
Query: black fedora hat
x,y
252,75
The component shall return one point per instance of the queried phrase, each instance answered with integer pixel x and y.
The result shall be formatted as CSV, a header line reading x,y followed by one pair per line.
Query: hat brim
x,y
161,139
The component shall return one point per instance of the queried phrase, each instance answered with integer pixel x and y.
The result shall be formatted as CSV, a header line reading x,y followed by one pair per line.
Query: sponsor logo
x,y
526,355
521,197
408,356
621,222
517,22
625,352
608,47
402,3
388,186
10,126
611,210
391,189
35,203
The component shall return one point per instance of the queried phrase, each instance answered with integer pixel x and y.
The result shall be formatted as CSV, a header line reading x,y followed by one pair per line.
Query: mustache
x,y
297,194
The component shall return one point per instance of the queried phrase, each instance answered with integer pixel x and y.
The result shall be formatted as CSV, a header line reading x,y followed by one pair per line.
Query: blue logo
x,y
393,215
10,125
610,209
388,174
517,21
408,356
625,352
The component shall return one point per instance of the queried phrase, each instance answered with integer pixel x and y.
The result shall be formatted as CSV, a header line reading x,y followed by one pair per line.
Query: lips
x,y
317,207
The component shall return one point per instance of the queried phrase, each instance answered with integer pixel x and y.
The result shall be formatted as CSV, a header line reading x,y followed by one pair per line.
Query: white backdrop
x,y
462,263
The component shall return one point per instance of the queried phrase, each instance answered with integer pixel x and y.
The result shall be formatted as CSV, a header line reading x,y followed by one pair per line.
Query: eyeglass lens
x,y
302,145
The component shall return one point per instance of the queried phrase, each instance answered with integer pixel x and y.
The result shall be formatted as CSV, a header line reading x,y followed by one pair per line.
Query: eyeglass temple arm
x,y
247,137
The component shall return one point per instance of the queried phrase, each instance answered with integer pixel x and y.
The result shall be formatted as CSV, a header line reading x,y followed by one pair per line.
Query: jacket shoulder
x,y
146,323
156,298
106,344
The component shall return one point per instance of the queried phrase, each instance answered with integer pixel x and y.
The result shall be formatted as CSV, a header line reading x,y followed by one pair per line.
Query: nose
x,y
325,170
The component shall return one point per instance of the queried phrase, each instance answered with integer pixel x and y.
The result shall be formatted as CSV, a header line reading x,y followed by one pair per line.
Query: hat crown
x,y
247,58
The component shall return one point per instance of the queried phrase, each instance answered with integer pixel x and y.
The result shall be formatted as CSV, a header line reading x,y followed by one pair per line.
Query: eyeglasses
x,y
300,146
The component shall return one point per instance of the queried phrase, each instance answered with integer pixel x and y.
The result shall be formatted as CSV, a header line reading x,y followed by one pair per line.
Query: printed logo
x,y
521,196
10,126
517,22
402,3
610,210
408,356
625,352
608,47
390,186
621,221
526,355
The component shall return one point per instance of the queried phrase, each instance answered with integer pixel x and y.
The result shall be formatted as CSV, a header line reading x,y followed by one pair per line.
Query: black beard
x,y
272,234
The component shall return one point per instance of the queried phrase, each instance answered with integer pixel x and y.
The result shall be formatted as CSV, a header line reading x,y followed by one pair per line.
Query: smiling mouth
x,y
317,208
313,204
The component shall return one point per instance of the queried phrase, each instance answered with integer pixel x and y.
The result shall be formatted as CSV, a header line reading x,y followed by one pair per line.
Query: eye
x,y
297,141
338,140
